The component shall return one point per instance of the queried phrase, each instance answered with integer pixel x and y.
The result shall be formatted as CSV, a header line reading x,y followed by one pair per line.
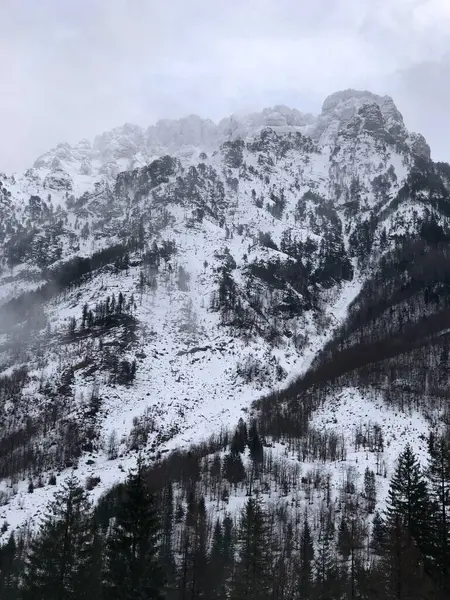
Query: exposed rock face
x,y
58,179
348,112
368,119
419,146
121,142
341,107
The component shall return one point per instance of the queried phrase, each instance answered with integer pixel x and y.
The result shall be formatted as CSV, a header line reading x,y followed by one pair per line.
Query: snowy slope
x,y
244,249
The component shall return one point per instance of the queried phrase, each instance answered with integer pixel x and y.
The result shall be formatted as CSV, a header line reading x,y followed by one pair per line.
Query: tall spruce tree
x,y
215,581
133,571
378,538
439,474
220,560
57,565
402,571
9,570
166,548
408,500
370,492
306,562
255,444
199,552
326,567
251,578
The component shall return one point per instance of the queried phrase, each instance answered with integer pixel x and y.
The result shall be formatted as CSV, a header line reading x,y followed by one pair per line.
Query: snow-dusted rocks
x,y
235,248
58,179
339,109
419,146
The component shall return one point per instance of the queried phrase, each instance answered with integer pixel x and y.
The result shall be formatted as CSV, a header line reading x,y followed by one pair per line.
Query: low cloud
x,y
74,69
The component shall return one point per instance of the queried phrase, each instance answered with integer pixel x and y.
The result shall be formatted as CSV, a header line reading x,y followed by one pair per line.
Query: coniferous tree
x,y
133,571
325,566
215,585
408,499
240,437
402,569
96,562
233,469
378,538
251,578
166,549
57,565
220,562
199,553
439,474
306,562
370,492
255,444
9,570
350,542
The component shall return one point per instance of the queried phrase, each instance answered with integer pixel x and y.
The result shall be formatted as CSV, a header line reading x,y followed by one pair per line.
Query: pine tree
x,y
57,566
344,539
199,555
325,566
233,469
240,437
166,549
439,474
254,443
96,563
9,570
215,585
370,491
133,571
220,560
378,538
402,572
409,500
306,556
252,571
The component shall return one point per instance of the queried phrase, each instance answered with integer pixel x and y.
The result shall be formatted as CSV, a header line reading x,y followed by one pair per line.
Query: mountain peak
x,y
129,146
341,107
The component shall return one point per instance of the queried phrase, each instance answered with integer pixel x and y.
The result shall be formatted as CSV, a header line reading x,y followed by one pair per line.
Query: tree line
x,y
170,532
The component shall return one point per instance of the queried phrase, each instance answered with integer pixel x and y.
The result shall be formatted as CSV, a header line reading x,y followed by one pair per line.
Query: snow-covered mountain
x,y
155,282
128,147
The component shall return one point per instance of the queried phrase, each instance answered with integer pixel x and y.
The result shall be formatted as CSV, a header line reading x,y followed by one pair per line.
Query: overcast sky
x,y
74,68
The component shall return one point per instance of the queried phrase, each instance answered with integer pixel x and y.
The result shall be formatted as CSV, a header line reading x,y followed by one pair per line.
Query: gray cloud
x,y
75,68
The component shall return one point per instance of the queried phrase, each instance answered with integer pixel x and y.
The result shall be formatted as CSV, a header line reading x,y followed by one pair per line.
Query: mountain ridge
x,y
128,146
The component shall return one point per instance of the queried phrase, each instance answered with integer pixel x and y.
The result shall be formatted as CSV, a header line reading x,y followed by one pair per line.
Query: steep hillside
x,y
155,283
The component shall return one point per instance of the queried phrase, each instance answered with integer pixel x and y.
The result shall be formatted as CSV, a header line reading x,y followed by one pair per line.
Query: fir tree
x,y
240,438
9,570
306,562
439,474
370,492
378,538
325,565
233,468
408,499
254,443
216,576
199,555
166,549
57,566
251,577
403,574
220,560
133,571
